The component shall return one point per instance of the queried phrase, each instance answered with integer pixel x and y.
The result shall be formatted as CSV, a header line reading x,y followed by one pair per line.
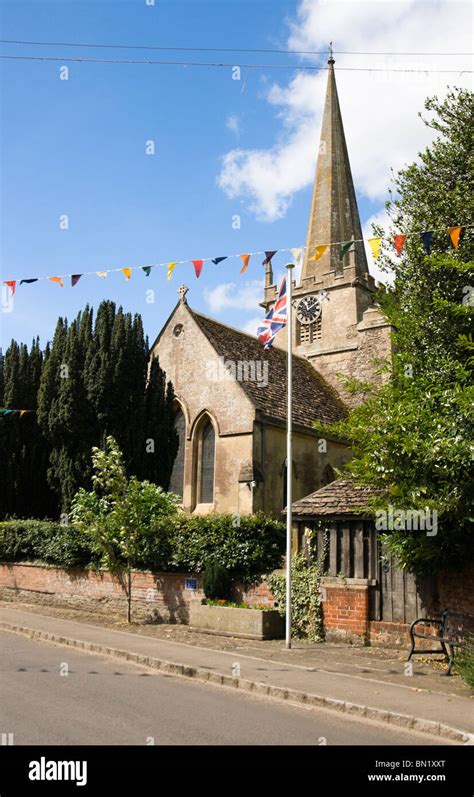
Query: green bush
x,y
181,542
465,664
43,540
216,582
248,546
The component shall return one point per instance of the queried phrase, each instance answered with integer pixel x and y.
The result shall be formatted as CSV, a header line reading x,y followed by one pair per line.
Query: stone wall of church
x,y
309,464
372,345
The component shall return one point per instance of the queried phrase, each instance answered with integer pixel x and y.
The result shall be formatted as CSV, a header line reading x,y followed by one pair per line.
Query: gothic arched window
x,y
207,450
177,474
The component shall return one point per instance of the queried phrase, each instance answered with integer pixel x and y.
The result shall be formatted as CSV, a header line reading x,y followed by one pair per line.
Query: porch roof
x,y
340,497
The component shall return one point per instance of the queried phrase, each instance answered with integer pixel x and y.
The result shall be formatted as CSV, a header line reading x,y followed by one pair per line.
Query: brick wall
x,y
156,597
345,609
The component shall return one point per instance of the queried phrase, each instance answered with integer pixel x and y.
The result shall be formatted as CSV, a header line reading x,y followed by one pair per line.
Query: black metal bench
x,y
454,630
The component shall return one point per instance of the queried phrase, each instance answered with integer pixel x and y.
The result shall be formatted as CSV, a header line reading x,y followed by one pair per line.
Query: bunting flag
x,y
198,264
399,243
427,237
374,244
319,252
344,248
268,257
245,261
12,285
296,254
454,233
4,412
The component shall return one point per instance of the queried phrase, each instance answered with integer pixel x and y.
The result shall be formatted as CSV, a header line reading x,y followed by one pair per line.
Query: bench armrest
x,y
432,621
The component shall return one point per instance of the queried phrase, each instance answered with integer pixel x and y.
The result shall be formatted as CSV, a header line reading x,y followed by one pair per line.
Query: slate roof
x,y
313,397
340,497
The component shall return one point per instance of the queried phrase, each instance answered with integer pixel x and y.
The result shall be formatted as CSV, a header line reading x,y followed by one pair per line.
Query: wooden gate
x,y
403,596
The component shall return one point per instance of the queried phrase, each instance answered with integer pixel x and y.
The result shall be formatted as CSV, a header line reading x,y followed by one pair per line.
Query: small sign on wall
x,y
190,583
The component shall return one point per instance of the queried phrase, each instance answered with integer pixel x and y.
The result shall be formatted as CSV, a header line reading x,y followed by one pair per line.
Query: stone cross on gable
x,y
182,291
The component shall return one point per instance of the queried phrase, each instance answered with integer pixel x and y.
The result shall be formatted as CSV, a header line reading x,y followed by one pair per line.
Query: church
x,y
231,393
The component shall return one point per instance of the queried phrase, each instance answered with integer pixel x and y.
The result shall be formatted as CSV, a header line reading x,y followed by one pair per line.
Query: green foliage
x,y
306,609
95,383
216,581
44,541
24,451
412,436
464,663
167,542
119,515
247,547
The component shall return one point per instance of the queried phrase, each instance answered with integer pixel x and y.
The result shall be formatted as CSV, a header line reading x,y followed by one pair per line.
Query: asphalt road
x,y
101,701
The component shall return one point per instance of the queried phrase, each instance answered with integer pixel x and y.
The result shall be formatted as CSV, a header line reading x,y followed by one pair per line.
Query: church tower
x,y
336,323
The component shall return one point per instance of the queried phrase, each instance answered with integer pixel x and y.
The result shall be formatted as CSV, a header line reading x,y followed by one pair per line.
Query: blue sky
x,y
222,147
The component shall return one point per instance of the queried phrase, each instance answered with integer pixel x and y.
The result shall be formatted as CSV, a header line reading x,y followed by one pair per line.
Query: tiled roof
x,y
313,397
340,497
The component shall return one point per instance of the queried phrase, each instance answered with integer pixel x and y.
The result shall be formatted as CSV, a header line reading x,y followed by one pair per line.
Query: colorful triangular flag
x,y
319,252
245,260
198,264
268,257
127,272
58,280
102,274
454,233
217,260
147,270
399,243
344,247
75,279
12,285
374,244
427,237
22,412
34,279
171,267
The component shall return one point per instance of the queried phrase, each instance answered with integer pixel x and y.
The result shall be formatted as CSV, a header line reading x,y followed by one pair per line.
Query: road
x,y
102,701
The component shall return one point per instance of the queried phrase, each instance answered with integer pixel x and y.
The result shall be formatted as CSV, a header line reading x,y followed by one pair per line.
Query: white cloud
x,y
232,123
229,295
251,326
380,109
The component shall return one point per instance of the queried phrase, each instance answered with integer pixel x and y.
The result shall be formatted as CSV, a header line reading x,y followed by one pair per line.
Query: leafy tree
x,y
411,437
118,513
23,449
95,384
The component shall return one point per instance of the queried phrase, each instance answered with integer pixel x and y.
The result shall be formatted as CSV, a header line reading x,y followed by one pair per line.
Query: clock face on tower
x,y
308,309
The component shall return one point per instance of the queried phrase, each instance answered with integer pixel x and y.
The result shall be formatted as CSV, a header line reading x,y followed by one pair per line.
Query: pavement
x,y
367,683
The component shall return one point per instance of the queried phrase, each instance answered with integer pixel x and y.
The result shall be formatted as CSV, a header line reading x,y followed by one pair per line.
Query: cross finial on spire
x,y
330,59
182,291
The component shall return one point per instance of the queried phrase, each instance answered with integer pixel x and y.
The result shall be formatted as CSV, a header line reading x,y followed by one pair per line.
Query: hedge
x,y
181,543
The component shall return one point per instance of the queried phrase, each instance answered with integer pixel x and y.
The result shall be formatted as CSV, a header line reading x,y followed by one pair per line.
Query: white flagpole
x,y
289,456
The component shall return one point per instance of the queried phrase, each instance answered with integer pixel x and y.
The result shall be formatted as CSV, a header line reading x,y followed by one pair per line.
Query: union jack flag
x,y
275,319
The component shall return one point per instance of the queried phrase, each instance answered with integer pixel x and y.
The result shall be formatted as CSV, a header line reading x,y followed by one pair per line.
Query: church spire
x,y
334,216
